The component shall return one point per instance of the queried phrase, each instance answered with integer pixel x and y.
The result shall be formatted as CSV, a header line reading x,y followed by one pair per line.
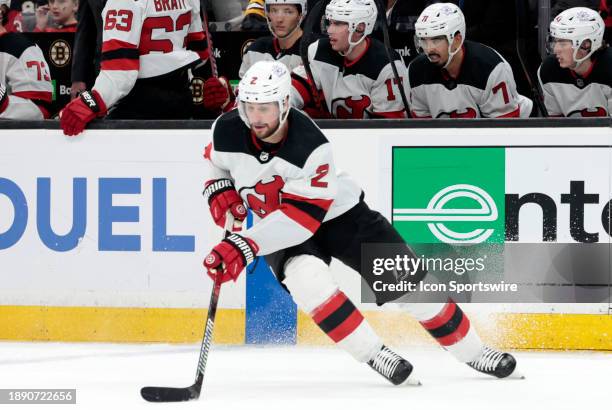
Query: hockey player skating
x,y
576,79
284,18
147,48
350,70
25,84
276,161
457,78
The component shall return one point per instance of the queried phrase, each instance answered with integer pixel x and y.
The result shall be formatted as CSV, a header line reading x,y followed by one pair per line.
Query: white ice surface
x,y
109,376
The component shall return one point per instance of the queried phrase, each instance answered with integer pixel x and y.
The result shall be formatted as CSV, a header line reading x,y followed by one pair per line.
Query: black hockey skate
x,y
392,367
494,363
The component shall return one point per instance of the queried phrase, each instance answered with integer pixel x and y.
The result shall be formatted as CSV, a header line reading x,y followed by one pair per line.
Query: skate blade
x,y
411,381
516,375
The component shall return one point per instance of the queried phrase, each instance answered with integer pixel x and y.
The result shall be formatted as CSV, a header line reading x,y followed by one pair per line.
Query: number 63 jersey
x,y
145,39
291,187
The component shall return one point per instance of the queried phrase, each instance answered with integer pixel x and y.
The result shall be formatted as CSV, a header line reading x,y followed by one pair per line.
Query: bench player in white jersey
x,y
576,79
25,84
284,18
274,159
456,78
350,69
147,48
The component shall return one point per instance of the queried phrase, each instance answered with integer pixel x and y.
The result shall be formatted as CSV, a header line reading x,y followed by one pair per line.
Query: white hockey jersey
x,y
363,88
485,87
145,39
570,95
268,49
25,74
291,187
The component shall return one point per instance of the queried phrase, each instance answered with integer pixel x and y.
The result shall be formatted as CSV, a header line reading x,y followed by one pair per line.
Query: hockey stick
x,y
173,394
209,44
304,43
385,29
521,48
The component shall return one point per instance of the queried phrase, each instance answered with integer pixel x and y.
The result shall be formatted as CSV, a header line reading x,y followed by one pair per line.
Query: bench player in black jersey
x,y
276,161
576,79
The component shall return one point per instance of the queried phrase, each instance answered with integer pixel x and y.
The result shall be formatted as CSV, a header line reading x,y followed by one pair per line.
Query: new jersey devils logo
x,y
264,197
350,107
587,113
468,113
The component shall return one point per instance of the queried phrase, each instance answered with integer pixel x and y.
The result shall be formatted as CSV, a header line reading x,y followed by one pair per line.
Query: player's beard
x,y
265,133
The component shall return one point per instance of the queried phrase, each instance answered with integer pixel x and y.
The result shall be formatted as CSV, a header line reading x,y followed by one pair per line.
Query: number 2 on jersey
x,y
321,172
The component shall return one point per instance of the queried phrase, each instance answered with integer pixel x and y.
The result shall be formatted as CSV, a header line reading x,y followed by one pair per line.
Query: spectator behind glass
x,y
56,16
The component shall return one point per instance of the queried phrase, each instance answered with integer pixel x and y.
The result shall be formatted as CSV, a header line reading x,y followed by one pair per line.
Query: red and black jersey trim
x,y
199,43
303,87
119,55
449,326
306,211
337,317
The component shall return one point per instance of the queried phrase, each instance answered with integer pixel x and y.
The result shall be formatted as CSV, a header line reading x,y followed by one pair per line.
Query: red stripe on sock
x,y
458,334
328,307
441,318
347,327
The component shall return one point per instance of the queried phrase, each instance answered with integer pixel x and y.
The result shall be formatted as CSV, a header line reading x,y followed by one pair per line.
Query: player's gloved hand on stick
x,y
4,99
230,257
79,112
218,94
223,197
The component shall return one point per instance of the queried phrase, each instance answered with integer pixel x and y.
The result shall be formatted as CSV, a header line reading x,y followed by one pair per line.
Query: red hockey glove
x,y
230,257
79,112
4,98
222,197
218,94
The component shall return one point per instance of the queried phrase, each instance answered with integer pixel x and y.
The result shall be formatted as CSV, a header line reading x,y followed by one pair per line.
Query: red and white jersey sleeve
x,y
25,74
145,39
500,98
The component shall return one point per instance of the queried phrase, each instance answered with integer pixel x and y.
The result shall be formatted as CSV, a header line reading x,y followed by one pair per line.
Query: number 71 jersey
x,y
485,87
145,39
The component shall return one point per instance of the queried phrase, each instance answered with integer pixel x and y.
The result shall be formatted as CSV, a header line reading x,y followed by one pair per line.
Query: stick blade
x,y
169,394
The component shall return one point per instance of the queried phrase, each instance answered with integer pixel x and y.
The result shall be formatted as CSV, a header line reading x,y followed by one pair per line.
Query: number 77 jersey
x,y
146,39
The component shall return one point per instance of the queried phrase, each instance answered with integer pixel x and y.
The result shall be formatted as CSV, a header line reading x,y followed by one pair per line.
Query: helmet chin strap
x,y
285,36
451,54
352,45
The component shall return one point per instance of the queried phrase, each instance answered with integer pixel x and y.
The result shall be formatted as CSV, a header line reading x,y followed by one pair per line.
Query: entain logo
x,y
440,210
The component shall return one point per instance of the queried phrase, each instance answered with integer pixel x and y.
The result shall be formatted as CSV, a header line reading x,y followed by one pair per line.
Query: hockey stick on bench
x,y
172,394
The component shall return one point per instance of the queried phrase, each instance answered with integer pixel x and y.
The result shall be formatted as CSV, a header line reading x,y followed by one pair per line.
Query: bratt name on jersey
x,y
164,5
